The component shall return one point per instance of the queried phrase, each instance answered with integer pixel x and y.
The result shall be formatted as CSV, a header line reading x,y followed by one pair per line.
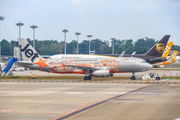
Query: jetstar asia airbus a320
x,y
97,67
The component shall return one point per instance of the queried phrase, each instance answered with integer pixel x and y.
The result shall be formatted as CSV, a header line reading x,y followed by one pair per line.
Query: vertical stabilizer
x,y
173,55
158,49
167,49
27,51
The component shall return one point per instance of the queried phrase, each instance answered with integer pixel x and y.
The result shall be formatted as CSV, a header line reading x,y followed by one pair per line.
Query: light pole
x,y
89,36
65,31
77,33
113,45
33,27
19,24
1,19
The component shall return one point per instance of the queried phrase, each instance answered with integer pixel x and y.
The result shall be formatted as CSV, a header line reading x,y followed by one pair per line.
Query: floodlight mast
x,y
65,31
34,27
77,33
113,45
1,19
89,36
19,24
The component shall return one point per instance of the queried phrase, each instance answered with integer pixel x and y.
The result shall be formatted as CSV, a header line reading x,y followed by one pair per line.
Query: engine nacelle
x,y
101,73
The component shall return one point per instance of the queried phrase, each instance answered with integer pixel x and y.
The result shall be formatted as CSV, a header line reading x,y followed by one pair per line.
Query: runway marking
x,y
50,106
130,99
6,111
74,93
162,82
68,100
93,105
114,92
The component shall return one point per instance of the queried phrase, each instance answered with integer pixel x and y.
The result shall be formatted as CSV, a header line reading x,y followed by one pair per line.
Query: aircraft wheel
x,y
89,77
133,78
85,78
158,78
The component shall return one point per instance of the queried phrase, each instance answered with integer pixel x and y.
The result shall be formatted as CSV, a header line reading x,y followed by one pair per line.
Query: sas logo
x,y
160,47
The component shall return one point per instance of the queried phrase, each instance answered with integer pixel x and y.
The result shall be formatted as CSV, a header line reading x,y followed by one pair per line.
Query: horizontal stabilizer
x,y
22,63
158,58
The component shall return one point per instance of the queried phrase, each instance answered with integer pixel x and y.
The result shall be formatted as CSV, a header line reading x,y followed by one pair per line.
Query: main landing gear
x,y
133,77
87,77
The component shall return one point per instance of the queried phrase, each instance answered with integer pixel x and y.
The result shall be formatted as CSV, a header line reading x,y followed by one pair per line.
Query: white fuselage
x,y
77,56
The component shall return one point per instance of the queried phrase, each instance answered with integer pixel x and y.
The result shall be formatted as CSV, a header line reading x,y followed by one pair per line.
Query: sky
x,y
104,19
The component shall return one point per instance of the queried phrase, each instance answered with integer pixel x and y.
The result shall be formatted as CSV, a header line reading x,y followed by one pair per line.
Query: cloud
x,y
77,2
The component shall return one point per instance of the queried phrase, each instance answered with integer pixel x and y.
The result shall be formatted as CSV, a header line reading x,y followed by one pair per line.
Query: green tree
x,y
84,47
5,47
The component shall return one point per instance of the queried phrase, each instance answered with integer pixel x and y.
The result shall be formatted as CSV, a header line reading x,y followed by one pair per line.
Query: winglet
x,y
133,53
122,54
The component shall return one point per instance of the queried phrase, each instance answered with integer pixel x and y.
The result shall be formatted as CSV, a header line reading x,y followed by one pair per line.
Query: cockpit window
x,y
143,61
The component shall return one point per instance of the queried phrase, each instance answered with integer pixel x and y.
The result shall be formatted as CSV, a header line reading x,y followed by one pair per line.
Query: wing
x,y
80,67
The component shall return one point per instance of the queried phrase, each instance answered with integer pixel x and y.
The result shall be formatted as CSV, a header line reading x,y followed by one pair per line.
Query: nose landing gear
x,y
87,77
133,77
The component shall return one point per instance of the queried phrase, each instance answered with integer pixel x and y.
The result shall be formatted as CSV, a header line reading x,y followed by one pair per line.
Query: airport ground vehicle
x,y
155,76
18,69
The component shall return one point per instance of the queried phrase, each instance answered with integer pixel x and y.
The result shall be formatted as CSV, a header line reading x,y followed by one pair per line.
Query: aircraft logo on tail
x,y
28,52
173,56
167,49
160,47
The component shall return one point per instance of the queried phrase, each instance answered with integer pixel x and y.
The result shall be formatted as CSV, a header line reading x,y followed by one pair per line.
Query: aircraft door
x,y
133,62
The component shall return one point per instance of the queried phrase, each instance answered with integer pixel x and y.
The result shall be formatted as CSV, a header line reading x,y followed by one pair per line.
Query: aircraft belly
x,y
60,69
129,68
124,68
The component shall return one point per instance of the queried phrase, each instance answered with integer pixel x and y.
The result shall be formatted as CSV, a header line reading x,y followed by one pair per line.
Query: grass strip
x,y
172,77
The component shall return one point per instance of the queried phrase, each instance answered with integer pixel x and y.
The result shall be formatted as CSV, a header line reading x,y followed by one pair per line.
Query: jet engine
x,y
101,73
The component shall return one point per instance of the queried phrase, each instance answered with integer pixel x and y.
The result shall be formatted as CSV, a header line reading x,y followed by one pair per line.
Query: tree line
x,y
52,47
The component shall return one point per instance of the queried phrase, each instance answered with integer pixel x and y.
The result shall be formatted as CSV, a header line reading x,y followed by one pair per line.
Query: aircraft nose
x,y
149,66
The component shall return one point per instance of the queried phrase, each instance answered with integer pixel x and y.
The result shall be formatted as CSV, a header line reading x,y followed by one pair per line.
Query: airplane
x,y
169,60
154,55
178,58
97,67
